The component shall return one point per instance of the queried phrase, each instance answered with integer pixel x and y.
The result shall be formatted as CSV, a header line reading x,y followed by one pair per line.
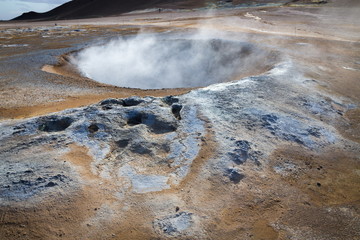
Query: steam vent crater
x,y
148,62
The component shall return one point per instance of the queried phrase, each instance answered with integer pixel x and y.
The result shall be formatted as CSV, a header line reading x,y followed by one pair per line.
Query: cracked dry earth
x,y
268,156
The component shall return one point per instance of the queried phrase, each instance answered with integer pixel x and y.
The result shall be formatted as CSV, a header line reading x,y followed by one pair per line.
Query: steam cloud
x,y
150,62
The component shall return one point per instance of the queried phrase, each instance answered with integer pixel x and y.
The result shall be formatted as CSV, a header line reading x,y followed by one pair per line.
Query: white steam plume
x,y
152,62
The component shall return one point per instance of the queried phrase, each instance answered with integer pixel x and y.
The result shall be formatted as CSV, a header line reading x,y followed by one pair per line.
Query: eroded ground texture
x,y
272,154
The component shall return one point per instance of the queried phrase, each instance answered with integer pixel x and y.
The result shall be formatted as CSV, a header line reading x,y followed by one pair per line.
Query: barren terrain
x,y
270,153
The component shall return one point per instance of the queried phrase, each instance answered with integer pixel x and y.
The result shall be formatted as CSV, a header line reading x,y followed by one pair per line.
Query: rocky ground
x,y
272,154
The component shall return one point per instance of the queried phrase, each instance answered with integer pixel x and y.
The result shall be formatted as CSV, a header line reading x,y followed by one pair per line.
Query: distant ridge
x,y
76,9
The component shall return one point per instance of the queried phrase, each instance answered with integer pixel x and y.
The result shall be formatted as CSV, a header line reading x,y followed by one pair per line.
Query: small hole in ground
x,y
135,118
55,124
175,109
153,122
93,128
